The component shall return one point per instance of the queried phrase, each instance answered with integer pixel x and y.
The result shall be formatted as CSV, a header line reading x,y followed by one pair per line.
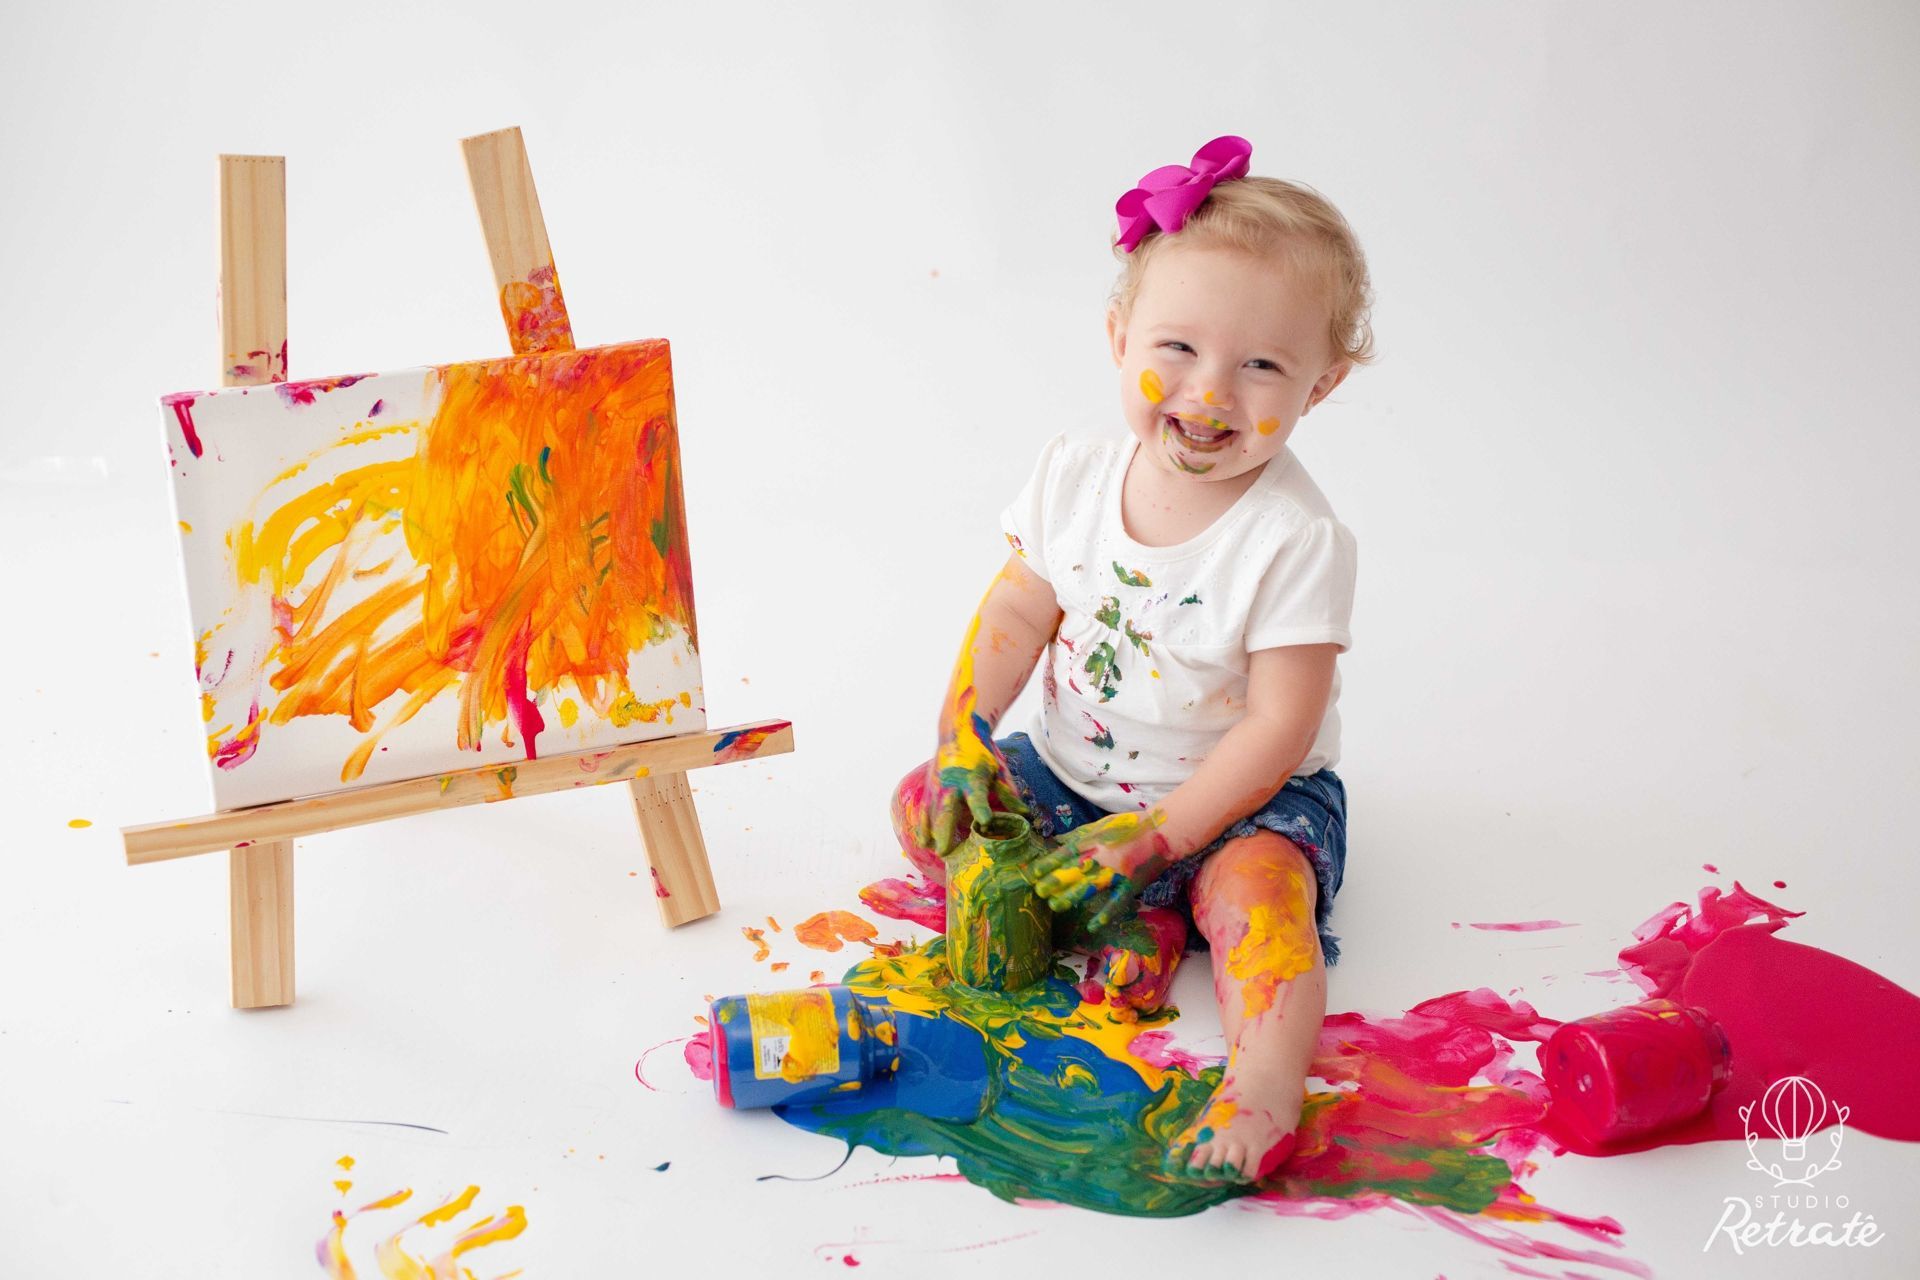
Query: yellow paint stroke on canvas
x,y
545,543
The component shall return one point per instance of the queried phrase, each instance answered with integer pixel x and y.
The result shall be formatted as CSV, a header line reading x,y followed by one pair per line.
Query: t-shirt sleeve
x,y
1025,519
1306,596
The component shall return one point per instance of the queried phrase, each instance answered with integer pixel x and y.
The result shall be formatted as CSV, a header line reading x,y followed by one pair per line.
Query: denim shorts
x,y
1310,811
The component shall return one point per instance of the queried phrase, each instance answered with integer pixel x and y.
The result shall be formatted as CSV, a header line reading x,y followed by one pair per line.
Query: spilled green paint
x,y
1074,1118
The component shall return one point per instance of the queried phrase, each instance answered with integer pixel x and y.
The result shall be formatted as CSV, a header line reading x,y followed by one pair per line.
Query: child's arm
x,y
1287,692
1104,864
1015,622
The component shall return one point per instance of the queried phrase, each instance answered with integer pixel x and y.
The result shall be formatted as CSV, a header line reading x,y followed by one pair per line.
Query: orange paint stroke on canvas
x,y
546,540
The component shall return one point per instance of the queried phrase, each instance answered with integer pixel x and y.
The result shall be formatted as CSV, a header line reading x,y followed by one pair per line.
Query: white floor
x,y
1632,488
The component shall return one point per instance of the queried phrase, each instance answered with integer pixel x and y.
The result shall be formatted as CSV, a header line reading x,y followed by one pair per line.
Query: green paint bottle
x,y
999,932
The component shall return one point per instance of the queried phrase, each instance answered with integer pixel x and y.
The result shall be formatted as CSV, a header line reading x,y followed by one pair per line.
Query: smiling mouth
x,y
1208,436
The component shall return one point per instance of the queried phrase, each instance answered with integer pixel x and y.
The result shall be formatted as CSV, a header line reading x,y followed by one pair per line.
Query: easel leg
x,y
677,852
260,895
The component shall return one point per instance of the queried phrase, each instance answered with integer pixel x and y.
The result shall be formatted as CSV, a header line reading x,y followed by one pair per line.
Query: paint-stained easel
x,y
253,334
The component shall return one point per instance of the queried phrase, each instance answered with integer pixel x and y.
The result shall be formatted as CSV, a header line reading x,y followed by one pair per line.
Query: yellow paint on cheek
x,y
1267,426
1150,387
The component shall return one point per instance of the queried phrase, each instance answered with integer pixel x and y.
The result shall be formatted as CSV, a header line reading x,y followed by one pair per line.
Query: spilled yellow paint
x,y
393,1257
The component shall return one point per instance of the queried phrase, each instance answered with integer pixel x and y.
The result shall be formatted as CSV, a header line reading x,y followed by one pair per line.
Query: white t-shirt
x,y
1149,667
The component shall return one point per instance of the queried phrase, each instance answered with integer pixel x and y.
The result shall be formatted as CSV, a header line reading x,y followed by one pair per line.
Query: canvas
x,y
401,574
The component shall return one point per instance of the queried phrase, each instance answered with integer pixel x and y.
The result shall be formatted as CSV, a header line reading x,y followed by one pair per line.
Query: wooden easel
x,y
253,332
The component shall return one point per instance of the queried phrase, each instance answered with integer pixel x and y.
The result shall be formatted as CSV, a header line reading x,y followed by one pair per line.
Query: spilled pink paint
x,y
1520,926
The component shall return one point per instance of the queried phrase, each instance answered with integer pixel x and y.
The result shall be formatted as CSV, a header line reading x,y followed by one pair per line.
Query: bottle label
x,y
795,1035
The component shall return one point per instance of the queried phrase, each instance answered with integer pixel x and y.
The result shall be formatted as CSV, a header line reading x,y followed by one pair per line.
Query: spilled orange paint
x,y
758,937
830,930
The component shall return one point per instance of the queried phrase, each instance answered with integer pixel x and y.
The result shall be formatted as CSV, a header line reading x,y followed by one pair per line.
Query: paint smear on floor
x,y
1427,1113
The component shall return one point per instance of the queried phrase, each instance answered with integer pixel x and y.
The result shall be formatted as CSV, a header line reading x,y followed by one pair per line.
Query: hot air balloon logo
x,y
1795,1109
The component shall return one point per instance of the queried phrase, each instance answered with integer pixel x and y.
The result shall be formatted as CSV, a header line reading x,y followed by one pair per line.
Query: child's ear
x,y
1117,334
1324,385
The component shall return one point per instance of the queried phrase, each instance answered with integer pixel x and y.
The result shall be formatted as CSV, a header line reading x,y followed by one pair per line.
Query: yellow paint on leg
x,y
1279,945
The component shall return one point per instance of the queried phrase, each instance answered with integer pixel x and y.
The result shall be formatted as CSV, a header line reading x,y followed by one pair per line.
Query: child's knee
x,y
1263,868
910,800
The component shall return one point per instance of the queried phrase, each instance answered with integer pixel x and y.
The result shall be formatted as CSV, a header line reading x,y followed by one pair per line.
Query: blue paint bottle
x,y
830,1047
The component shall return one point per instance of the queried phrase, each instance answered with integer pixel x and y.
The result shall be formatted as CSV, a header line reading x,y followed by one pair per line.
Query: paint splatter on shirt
x,y
1154,642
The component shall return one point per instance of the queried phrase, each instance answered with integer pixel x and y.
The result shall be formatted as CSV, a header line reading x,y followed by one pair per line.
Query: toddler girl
x,y
1190,588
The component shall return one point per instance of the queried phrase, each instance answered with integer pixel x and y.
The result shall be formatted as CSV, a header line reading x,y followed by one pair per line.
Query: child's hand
x,y
969,777
1103,866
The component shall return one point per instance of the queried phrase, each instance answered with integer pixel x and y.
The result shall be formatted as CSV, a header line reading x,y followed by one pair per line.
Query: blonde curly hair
x,y
1271,216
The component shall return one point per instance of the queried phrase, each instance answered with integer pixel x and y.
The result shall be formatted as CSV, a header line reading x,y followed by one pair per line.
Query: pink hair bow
x,y
1167,197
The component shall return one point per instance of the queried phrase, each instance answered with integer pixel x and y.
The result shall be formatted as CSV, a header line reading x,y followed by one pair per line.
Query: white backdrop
x,y
1631,483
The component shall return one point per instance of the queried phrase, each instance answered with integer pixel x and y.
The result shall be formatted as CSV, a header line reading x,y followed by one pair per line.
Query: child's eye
x,y
1183,346
1269,364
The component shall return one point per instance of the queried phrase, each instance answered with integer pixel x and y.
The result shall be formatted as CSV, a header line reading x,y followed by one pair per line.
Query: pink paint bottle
x,y
1634,1071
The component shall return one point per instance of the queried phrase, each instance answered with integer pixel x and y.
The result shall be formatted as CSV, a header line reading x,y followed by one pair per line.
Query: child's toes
x,y
1229,1158
1207,1163
1280,1153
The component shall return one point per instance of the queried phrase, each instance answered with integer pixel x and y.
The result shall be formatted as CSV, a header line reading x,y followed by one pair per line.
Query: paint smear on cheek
x,y
1267,426
1150,386
1429,1112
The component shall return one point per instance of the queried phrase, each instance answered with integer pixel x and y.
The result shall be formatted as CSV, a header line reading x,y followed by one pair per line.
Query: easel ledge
x,y
291,819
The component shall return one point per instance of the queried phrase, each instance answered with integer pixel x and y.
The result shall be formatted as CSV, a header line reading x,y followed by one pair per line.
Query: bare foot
x,y
1236,1138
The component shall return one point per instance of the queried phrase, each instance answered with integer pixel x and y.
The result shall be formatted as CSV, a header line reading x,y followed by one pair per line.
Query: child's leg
x,y
1254,901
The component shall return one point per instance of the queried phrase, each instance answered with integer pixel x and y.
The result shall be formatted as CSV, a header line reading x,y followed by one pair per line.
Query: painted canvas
x,y
401,574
